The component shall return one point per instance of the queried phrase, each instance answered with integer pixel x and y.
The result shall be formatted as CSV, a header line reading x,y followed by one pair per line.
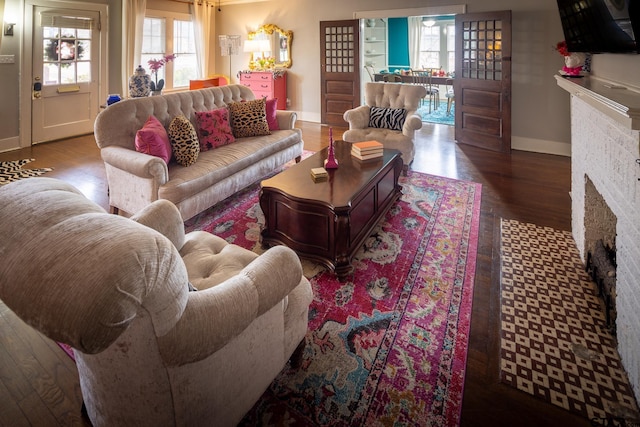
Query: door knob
x,y
37,88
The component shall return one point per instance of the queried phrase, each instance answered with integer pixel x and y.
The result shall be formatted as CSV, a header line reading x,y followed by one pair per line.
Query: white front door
x,y
66,72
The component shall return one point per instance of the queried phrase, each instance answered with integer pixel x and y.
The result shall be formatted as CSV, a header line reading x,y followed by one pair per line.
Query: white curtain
x,y
203,15
1,19
415,27
132,26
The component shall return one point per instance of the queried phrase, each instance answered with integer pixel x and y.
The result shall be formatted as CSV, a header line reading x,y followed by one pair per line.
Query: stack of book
x,y
319,174
366,150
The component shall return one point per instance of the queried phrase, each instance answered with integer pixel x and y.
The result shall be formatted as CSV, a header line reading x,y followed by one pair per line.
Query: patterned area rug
x,y
555,344
388,346
12,171
440,115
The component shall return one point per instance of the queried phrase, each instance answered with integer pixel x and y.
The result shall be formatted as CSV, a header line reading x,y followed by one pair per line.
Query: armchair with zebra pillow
x,y
388,116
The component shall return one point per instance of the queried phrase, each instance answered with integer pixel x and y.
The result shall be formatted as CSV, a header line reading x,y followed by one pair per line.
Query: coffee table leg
x,y
342,262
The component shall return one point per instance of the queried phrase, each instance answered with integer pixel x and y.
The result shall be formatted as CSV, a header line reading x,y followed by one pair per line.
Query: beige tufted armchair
x,y
388,95
149,351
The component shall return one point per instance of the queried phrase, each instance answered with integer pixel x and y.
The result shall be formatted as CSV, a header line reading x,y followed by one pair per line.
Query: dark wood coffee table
x,y
328,221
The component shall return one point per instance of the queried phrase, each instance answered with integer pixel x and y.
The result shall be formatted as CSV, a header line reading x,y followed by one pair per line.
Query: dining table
x,y
407,78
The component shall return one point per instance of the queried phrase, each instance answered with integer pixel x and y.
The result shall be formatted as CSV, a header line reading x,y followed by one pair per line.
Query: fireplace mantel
x,y
618,102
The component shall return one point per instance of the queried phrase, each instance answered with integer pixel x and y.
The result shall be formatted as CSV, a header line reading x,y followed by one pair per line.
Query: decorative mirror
x,y
280,42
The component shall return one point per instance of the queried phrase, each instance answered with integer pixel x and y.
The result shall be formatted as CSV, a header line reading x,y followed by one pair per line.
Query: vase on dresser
x,y
139,83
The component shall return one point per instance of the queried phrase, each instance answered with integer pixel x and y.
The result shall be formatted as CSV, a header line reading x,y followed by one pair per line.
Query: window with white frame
x,y
437,45
165,33
430,46
451,48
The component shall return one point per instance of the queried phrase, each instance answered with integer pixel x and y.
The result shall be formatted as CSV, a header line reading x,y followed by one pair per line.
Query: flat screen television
x,y
599,26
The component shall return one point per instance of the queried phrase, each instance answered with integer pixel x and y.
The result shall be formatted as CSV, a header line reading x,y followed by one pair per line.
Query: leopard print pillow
x,y
184,141
249,118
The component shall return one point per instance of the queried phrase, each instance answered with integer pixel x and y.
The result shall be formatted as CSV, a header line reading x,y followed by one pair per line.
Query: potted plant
x,y
155,65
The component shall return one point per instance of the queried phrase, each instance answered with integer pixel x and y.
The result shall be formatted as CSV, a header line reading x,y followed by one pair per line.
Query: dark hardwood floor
x,y
39,383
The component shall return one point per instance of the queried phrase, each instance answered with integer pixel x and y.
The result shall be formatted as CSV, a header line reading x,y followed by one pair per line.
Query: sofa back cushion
x,y
394,95
118,124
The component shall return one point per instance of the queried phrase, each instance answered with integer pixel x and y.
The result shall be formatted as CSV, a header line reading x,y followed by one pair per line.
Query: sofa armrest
x,y
286,119
215,316
164,217
139,164
412,123
358,118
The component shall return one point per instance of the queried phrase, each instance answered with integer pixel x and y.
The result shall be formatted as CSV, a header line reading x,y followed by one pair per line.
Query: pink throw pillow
x,y
153,139
271,108
214,129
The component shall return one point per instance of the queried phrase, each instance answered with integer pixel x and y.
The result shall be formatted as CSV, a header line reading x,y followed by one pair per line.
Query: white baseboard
x,y
309,117
541,146
9,144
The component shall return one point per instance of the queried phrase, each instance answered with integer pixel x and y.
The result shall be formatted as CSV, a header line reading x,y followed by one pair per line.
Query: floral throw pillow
x,y
249,118
184,141
153,139
388,118
214,129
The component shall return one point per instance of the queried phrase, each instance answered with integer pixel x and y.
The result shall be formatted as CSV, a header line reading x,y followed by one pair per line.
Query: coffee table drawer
x,y
305,227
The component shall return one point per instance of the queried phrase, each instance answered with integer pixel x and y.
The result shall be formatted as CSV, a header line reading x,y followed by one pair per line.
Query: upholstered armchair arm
x,y
164,217
216,315
358,118
139,164
411,125
286,119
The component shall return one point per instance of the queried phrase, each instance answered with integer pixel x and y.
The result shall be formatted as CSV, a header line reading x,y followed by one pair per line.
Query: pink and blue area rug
x,y
388,346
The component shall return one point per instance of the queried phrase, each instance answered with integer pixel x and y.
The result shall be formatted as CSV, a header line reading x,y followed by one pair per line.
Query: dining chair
x,y
423,78
370,71
392,78
449,94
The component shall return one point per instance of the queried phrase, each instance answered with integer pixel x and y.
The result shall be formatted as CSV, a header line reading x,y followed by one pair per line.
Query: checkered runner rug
x,y
554,343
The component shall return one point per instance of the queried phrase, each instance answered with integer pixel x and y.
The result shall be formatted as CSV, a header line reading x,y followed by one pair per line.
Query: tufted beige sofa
x,y
136,179
149,352
388,95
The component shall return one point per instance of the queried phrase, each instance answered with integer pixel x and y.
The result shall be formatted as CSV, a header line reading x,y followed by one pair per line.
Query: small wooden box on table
x,y
328,221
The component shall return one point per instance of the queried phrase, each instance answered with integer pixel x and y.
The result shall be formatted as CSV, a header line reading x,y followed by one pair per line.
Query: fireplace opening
x,y
600,246
601,266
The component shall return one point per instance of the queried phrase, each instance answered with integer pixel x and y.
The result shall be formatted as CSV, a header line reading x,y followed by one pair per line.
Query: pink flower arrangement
x,y
562,49
155,65
573,61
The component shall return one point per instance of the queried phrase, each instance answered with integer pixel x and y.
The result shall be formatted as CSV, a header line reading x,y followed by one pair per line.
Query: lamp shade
x,y
229,45
251,46
264,46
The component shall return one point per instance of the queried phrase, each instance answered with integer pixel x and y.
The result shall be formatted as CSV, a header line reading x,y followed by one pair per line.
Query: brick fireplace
x,y
605,194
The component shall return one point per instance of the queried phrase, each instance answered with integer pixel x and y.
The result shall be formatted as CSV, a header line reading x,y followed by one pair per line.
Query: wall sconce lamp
x,y
8,29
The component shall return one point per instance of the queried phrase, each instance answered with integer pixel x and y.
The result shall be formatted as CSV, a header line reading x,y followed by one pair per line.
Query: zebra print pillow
x,y
388,118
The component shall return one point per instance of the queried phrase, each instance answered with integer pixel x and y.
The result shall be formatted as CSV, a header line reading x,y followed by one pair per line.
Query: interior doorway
x,y
391,41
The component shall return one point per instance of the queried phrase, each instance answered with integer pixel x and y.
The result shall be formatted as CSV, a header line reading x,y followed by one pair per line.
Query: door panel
x,y
65,72
483,80
339,70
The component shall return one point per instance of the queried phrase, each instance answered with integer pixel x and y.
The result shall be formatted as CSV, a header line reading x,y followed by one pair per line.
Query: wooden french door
x,y
482,83
339,69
